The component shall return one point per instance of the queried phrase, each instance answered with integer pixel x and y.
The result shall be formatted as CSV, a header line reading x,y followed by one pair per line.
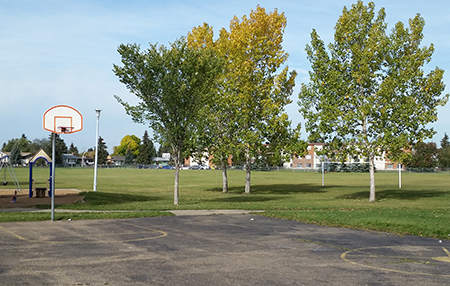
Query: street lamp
x,y
96,150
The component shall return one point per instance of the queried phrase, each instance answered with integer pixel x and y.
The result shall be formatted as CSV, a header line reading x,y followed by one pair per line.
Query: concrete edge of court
x,y
175,212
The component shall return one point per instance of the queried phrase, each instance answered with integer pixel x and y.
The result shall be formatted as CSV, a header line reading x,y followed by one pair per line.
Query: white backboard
x,y
63,119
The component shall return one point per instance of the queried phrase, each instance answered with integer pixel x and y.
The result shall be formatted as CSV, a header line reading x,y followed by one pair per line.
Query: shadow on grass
x,y
278,189
395,194
246,199
98,198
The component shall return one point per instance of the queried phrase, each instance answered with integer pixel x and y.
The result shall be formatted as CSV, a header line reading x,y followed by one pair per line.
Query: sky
x,y
56,52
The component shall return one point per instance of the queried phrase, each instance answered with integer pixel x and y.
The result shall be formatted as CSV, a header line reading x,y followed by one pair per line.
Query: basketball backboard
x,y
63,119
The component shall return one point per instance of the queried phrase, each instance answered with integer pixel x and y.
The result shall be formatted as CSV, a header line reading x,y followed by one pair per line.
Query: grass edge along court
x,y
420,208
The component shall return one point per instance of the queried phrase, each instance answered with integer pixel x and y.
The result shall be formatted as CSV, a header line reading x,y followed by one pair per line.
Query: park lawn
x,y
421,207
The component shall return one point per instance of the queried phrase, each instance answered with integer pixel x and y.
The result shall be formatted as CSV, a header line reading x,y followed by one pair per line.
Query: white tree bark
x,y
372,177
177,177
247,170
224,176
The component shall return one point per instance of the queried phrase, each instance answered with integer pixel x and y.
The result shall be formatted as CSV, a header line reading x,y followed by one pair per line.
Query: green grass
x,y
421,207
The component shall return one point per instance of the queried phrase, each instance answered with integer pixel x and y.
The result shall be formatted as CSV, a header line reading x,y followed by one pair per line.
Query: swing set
x,y
6,165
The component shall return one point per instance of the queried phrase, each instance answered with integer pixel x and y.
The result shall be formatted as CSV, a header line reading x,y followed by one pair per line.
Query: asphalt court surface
x,y
240,249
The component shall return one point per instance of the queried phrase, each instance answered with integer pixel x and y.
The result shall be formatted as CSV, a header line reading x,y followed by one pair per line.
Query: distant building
x,y
313,161
116,160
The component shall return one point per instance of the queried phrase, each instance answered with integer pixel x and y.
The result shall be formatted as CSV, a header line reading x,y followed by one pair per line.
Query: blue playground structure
x,y
39,155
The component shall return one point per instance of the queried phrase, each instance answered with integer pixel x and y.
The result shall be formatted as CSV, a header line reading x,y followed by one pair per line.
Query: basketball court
x,y
239,249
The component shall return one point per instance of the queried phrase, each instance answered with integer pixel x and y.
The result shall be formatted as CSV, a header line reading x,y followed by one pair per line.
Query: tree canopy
x,y
173,84
102,151
16,157
444,153
248,108
147,150
131,142
60,147
368,93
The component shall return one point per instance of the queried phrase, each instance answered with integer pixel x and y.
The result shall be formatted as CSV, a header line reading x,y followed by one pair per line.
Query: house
x,y
24,160
163,160
313,161
116,160
70,160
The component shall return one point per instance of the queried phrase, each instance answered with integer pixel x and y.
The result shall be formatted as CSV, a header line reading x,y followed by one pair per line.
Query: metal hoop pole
x,y
96,150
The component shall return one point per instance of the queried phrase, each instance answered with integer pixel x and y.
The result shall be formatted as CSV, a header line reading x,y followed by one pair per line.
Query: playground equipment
x,y
6,165
60,119
32,184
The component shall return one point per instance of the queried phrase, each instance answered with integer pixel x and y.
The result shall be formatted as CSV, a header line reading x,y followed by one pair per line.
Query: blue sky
x,y
61,52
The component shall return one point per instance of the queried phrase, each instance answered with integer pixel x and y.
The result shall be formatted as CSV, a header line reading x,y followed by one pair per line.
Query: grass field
x,y
421,207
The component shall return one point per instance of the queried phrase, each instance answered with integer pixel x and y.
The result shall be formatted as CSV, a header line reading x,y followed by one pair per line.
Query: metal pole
x,y
96,150
323,177
53,176
399,176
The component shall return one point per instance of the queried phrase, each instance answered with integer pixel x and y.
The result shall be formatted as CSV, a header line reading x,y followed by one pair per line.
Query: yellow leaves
x,y
201,37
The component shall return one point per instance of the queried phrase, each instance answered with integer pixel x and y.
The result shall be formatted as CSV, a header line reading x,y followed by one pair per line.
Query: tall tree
x,y
38,144
22,142
146,150
174,84
16,156
129,157
60,147
128,142
368,94
423,155
219,133
444,142
73,149
254,89
102,152
444,153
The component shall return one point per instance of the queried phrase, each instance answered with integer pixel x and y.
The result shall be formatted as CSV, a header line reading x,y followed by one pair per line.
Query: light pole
x,y
96,150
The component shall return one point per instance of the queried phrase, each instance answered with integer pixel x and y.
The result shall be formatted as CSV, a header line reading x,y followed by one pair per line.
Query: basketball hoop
x,y
65,129
60,119
63,119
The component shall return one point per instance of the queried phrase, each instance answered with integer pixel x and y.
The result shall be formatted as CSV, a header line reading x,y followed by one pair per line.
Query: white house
x,y
312,160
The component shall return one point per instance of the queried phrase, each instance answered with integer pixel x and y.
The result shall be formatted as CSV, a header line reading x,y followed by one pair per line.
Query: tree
x,y
128,142
163,148
16,156
146,150
38,144
174,84
248,111
129,157
73,149
102,152
60,147
444,153
444,142
22,142
219,133
423,155
368,94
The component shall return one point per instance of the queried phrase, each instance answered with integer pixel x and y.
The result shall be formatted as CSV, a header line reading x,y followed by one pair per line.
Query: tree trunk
x,y
177,177
224,176
372,177
247,170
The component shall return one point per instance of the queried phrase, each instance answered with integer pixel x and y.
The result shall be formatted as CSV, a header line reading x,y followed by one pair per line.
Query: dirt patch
x,y
62,197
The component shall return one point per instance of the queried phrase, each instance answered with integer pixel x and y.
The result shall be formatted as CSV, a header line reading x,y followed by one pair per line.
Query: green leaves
x,y
368,93
173,85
